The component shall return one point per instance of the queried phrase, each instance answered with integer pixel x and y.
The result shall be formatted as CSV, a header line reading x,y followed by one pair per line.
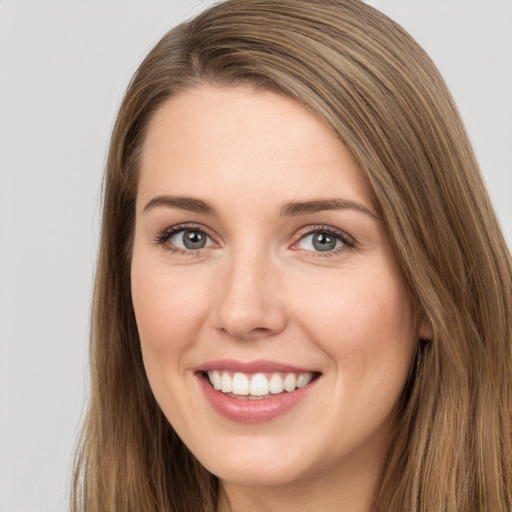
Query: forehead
x,y
212,139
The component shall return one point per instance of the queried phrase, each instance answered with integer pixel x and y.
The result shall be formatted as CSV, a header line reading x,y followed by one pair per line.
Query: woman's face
x,y
259,257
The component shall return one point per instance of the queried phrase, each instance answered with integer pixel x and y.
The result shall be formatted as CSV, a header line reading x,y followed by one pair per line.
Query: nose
x,y
249,305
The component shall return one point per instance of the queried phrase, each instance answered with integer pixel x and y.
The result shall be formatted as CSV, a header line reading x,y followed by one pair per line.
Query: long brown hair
x,y
379,92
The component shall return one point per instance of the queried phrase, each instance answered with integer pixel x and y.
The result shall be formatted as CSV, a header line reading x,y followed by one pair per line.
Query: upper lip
x,y
250,367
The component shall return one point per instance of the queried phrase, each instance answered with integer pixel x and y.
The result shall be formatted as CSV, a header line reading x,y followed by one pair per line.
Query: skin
x,y
260,290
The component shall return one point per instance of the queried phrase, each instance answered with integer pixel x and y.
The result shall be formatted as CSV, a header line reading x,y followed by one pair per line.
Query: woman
x,y
303,299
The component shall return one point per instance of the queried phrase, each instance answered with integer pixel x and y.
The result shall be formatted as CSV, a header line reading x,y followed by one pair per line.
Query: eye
x,y
189,239
181,238
323,240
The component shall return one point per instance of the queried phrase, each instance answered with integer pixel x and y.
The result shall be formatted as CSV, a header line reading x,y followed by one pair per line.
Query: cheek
x,y
365,322
168,308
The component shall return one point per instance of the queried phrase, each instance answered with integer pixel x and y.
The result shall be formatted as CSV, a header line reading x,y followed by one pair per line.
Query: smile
x,y
257,386
254,392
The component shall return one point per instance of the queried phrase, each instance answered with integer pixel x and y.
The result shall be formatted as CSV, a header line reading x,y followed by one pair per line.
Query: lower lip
x,y
252,411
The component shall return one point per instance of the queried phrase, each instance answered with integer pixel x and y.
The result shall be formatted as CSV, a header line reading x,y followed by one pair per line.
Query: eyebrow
x,y
289,209
190,204
293,208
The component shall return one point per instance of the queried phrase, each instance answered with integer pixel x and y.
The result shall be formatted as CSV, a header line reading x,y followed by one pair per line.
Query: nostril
x,y
246,307
241,334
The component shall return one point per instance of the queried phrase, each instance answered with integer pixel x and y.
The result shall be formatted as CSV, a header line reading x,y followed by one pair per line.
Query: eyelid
x,y
162,237
348,240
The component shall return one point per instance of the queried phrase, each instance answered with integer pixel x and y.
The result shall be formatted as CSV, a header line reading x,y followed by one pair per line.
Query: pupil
x,y
194,240
323,242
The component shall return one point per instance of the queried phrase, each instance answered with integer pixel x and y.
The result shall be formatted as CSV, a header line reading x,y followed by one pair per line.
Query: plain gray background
x,y
63,68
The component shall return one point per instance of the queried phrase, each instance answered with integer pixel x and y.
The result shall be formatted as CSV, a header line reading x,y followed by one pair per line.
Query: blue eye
x,y
186,239
190,239
322,241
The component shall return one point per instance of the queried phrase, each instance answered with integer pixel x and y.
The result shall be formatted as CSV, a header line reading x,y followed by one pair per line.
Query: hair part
x,y
378,91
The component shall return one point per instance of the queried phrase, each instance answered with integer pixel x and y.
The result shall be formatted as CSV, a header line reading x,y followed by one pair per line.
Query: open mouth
x,y
257,386
255,391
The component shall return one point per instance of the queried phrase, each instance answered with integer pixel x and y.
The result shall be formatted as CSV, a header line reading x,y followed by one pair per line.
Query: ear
x,y
425,330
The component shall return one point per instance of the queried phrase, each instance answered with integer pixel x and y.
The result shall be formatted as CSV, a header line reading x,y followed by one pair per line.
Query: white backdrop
x,y
63,68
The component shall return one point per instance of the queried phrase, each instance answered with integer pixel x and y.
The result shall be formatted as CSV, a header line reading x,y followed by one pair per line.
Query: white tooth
x,y
240,384
303,379
215,379
276,384
226,383
259,385
289,382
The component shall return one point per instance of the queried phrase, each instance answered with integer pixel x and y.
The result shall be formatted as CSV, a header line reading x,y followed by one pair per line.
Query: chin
x,y
257,465
251,474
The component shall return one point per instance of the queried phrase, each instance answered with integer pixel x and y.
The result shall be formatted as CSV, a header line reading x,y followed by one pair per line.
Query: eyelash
x,y
163,237
347,241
